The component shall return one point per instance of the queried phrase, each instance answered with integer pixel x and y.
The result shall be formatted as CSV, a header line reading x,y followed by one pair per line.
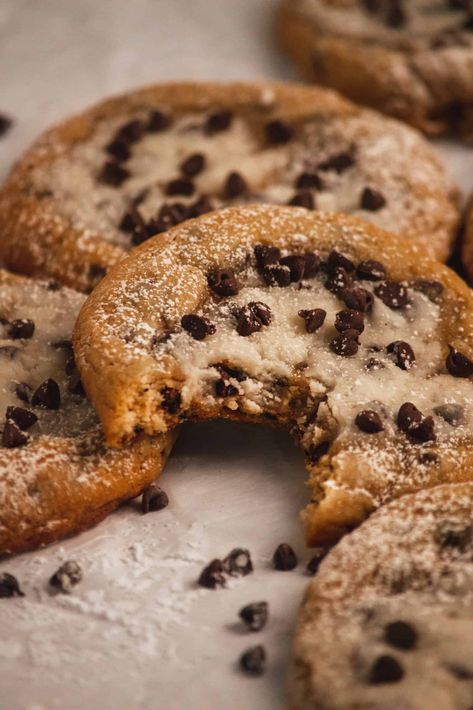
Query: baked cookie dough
x,y
56,475
412,59
351,338
101,183
388,621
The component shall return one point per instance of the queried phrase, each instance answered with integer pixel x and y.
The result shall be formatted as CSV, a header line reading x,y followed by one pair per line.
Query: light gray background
x,y
137,633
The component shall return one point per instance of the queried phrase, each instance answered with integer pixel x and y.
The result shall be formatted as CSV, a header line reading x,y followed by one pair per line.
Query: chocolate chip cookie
x,y
101,183
351,338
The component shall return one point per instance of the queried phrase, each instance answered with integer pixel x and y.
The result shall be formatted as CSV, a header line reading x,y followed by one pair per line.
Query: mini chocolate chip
x,y
385,669
168,216
369,421
303,198
255,615
131,132
158,121
67,576
153,499
231,373
279,132
457,364
404,356
359,299
374,364
313,564
12,435
296,264
339,162
9,586
372,200
253,660
113,174
201,206
371,270
238,562
392,294
312,265
346,344
225,389
97,271
223,282
314,318
197,326
218,121
118,149
193,165
261,311
5,124
132,221
316,451
349,319
22,417
452,413
338,281
337,260
408,417
284,558
213,575
23,391
277,275
252,318
235,185
171,400
400,635
432,289
47,395
454,535
21,328
307,181
266,254
180,186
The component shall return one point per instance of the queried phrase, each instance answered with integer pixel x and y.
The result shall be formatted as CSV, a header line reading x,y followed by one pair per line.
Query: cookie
x,y
103,182
56,475
387,622
412,60
351,338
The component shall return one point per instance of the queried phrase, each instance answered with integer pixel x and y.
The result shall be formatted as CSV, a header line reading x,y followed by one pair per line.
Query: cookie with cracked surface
x,y
410,59
349,337
57,477
387,622
101,183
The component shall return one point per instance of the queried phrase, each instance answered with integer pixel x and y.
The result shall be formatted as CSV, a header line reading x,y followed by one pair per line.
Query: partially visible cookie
x,y
131,167
349,337
57,477
412,59
388,621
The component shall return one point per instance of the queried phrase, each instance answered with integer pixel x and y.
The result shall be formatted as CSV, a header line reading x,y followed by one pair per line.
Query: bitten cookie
x,y
134,166
388,621
410,59
56,475
349,337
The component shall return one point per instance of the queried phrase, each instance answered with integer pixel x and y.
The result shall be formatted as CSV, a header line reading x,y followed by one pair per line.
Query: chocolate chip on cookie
x,y
313,564
158,121
404,356
223,282
296,265
252,318
369,421
284,558
253,660
277,275
393,294
21,328
193,165
213,575
337,260
303,198
338,281
113,174
180,186
372,200
153,499
171,400
349,319
266,254
371,270
346,344
339,162
118,149
238,562
9,586
23,391
255,615
197,326
452,413
457,364
279,132
401,635
358,298
47,395
218,121
5,124
309,181
66,577
313,318
235,185
386,669
22,417
411,421
12,435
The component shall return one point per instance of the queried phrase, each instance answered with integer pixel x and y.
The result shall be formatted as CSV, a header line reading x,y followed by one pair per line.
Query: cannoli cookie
x,y
349,337
101,183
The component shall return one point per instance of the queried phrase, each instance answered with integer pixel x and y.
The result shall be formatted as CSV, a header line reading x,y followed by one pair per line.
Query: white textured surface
x,y
137,633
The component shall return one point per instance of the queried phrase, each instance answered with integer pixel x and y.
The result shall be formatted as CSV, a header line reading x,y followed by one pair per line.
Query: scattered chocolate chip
x,y
303,198
253,660
284,558
339,162
346,344
171,400
218,121
97,272
385,669
432,289
372,200
131,132
238,562
197,326
312,265
113,174
371,270
5,124
261,311
255,615
213,575
235,185
23,391
392,294
47,395
9,586
313,564
457,364
12,435
369,421
225,389
308,181
314,318
53,285
201,206
118,149
359,299
374,364
193,165
408,417
296,264
266,254
277,275
400,635
21,328
252,318
180,186
227,373
404,356
223,282
279,132
132,221
168,216
316,451
158,121
452,413
337,260
153,499
22,417
338,281
349,319
67,576
455,535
